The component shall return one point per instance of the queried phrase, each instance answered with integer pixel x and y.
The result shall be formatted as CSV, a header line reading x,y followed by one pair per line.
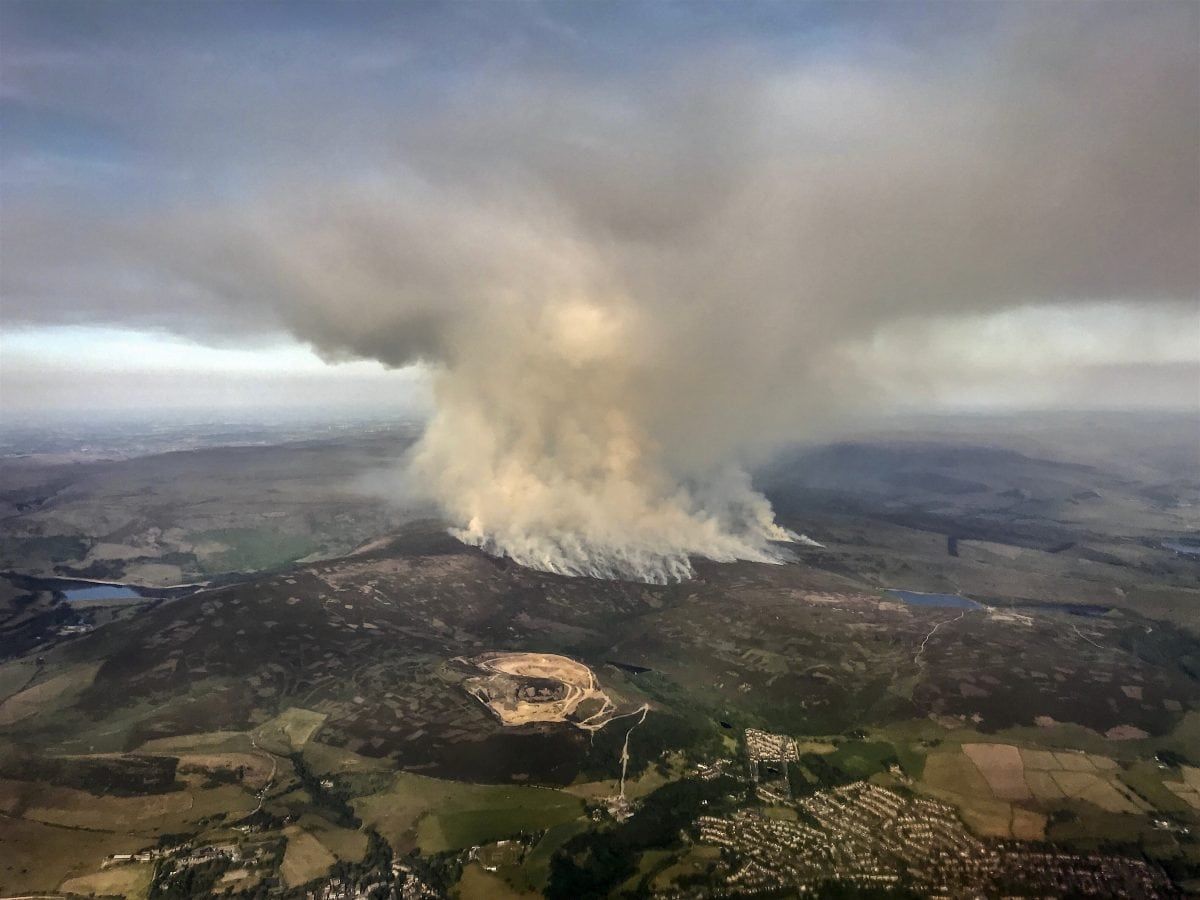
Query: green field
x,y
439,815
536,869
252,549
861,759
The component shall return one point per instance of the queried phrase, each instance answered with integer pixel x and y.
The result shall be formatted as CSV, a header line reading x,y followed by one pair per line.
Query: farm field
x,y
436,815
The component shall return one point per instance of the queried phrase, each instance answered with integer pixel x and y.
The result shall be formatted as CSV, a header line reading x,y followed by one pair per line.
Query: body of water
x,y
101,592
951,601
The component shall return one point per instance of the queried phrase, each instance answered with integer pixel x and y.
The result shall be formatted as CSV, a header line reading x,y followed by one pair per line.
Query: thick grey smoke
x,y
626,287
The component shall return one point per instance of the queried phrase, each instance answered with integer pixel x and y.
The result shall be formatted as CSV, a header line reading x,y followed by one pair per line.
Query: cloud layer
x,y
630,269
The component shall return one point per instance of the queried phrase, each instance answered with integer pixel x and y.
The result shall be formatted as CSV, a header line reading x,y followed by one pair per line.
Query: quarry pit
x,y
529,688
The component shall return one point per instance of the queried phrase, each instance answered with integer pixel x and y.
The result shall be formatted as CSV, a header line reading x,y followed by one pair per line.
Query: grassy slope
x,y
440,815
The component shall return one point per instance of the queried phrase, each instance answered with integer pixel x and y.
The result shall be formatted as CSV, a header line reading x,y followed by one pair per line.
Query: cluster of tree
x,y
374,868
441,871
826,773
217,777
261,820
592,863
696,738
125,776
171,883
1171,758
709,881
174,838
334,801
1180,869
373,873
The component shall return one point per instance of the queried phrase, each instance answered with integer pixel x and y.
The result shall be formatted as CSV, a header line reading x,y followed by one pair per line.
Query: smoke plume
x,y
628,284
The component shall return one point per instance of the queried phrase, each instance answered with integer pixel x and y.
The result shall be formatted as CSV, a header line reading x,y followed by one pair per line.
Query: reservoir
x,y
951,601
101,592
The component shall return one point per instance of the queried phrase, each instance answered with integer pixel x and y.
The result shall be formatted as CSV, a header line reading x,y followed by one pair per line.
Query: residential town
x,y
869,836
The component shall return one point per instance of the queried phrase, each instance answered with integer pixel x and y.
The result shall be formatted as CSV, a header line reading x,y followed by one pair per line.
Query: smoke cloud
x,y
629,284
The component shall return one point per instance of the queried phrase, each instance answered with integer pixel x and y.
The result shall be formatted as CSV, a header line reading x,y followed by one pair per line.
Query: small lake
x,y
951,601
101,592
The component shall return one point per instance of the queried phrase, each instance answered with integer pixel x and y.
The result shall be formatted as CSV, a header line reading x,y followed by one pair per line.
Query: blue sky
x,y
216,198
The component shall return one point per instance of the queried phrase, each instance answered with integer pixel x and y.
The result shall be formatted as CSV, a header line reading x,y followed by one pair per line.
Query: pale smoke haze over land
x,y
630,273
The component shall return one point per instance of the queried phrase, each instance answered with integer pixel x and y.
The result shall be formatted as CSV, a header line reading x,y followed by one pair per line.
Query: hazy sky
x,y
240,203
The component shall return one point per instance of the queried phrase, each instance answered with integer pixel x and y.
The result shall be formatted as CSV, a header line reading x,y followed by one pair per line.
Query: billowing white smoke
x,y
623,296
625,283
540,448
